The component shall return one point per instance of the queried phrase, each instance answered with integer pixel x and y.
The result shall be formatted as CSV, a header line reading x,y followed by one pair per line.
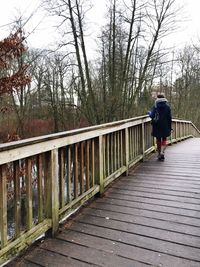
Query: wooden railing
x,y
44,179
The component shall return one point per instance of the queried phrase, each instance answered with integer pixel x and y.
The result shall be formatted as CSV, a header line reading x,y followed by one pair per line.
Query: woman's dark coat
x,y
161,128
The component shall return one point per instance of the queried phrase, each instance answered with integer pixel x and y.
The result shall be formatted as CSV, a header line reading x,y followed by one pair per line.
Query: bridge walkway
x,y
150,218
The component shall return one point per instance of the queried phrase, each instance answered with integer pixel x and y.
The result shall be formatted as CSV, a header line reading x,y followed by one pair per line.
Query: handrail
x,y
43,179
48,137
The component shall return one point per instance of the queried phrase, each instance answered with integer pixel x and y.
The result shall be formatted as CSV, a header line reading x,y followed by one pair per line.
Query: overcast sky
x,y
42,32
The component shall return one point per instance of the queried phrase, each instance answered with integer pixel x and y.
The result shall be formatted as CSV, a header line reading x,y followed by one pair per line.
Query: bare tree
x,y
72,15
160,15
131,53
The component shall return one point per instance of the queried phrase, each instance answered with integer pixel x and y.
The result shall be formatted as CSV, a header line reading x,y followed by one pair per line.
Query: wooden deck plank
x,y
139,220
146,231
90,255
157,201
158,196
148,214
169,182
22,263
188,171
151,244
163,185
166,177
41,257
125,250
44,257
152,207
147,178
155,191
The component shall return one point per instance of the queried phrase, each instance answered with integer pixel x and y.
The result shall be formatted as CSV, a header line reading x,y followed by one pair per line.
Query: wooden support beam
x,y
29,197
17,199
40,189
101,167
3,206
54,191
61,178
69,175
126,156
52,204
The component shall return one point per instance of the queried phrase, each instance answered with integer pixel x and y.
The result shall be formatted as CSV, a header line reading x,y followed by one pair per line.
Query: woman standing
x,y
161,123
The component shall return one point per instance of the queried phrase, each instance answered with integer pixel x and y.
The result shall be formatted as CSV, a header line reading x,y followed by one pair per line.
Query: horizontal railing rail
x,y
44,179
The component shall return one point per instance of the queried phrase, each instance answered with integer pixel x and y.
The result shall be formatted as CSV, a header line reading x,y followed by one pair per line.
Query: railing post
x,y
52,190
17,199
127,150
142,140
101,167
3,206
29,202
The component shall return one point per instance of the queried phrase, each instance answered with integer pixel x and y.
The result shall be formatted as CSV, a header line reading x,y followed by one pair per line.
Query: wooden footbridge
x,y
148,216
